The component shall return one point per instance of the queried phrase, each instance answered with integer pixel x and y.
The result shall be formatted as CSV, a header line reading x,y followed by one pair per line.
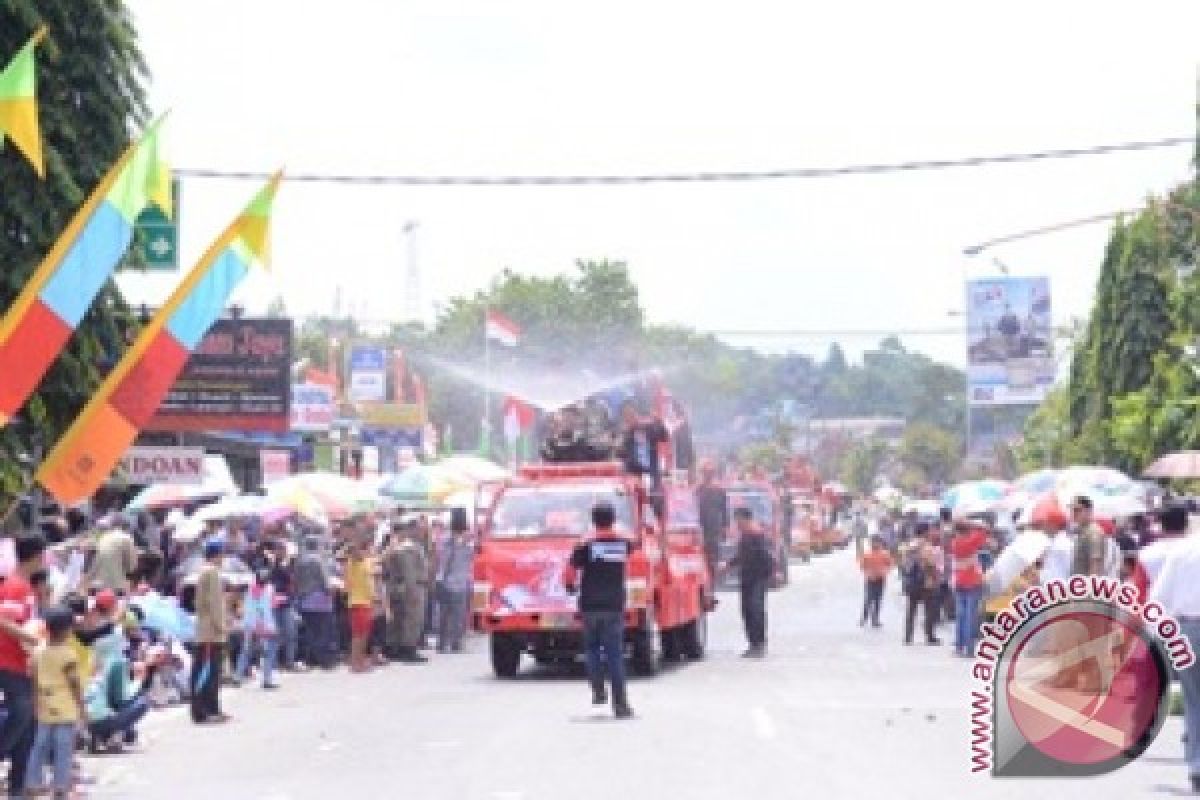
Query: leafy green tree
x,y
863,463
90,96
934,452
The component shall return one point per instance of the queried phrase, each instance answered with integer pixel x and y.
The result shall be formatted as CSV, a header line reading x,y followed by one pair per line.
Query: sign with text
x,y
313,407
392,415
238,378
175,465
1010,341
275,465
368,374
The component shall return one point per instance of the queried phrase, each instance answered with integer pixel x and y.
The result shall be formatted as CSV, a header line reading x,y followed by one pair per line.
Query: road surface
x,y
834,712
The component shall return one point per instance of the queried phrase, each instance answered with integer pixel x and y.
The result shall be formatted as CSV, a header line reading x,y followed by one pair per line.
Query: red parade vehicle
x,y
527,536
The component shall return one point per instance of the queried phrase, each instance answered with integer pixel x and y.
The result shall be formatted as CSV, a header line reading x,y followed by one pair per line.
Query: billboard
x,y
368,374
313,408
1010,341
237,379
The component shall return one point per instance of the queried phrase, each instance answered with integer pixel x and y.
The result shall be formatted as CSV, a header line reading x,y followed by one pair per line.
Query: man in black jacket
x,y
600,562
755,565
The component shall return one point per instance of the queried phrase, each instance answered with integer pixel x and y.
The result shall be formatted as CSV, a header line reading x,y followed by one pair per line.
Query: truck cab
x,y
532,525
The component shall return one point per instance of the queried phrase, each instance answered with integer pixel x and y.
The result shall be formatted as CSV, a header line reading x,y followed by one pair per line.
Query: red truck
x,y
526,537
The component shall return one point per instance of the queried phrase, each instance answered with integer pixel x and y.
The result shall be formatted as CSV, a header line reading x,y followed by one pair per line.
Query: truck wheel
x,y
646,656
506,656
695,636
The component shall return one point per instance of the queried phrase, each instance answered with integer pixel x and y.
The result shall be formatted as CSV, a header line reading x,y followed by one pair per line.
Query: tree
x,y
930,450
90,94
862,464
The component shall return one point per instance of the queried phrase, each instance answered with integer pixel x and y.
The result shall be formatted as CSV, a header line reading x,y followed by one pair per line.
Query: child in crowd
x,y
58,704
258,629
875,564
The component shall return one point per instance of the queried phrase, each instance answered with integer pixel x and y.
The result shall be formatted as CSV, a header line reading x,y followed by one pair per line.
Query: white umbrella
x,y
1025,548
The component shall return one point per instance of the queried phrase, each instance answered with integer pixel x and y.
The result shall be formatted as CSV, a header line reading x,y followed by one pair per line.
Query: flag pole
x,y
486,428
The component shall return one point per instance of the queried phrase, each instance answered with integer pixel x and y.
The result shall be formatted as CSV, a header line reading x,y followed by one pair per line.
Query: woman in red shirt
x,y
967,582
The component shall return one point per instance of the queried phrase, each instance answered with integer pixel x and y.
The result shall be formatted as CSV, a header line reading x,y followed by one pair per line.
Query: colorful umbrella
x,y
474,468
1185,464
974,497
268,509
1036,482
324,494
424,485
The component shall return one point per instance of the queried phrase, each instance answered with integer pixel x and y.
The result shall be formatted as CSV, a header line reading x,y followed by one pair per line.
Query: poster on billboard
x,y
368,374
1010,341
239,378
313,407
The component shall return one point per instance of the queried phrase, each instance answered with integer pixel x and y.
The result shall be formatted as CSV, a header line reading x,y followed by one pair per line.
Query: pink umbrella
x,y
1184,464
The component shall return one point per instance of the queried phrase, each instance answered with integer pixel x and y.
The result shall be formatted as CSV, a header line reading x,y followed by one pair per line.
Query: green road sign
x,y
156,237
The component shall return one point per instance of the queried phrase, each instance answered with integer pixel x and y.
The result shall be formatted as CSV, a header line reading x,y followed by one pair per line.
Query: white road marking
x,y
764,726
326,747
508,794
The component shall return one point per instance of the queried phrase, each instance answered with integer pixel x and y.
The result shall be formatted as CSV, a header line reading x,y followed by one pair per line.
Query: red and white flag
x,y
501,329
518,418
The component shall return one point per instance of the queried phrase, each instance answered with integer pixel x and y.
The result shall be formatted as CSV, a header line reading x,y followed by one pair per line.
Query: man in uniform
x,y
712,506
405,581
599,564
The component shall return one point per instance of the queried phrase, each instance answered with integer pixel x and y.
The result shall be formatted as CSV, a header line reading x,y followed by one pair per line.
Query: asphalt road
x,y
834,712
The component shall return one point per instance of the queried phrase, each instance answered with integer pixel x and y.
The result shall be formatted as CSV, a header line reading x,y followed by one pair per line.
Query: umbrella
x,y
973,497
1184,464
1103,480
1025,548
163,615
217,482
474,468
324,494
1036,482
424,485
270,510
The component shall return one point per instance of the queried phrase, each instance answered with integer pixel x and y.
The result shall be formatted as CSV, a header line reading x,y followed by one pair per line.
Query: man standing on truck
x,y
600,564
756,565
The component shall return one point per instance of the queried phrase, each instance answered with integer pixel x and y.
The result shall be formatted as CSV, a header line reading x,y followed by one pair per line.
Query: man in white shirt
x,y
1177,589
1174,522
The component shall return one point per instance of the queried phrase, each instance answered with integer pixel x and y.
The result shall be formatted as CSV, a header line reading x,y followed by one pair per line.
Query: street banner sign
x,y
156,235
1010,341
313,407
239,378
368,374
182,466
275,465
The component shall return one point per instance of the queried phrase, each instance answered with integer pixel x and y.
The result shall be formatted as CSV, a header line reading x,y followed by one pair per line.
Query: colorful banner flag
x,y
62,288
18,104
131,394
502,329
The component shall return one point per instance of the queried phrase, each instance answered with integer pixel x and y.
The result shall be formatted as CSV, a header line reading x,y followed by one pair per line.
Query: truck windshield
x,y
759,504
524,512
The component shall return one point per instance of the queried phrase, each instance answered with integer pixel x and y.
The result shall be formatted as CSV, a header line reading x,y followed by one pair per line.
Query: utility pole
x,y
412,288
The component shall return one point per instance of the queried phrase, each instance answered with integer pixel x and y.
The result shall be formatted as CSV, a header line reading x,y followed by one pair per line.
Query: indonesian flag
x,y
518,418
501,329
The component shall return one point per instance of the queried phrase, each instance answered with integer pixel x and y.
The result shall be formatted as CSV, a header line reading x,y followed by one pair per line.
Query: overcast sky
x,y
533,87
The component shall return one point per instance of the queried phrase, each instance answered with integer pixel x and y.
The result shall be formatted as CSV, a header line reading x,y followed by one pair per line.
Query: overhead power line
x,y
695,177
